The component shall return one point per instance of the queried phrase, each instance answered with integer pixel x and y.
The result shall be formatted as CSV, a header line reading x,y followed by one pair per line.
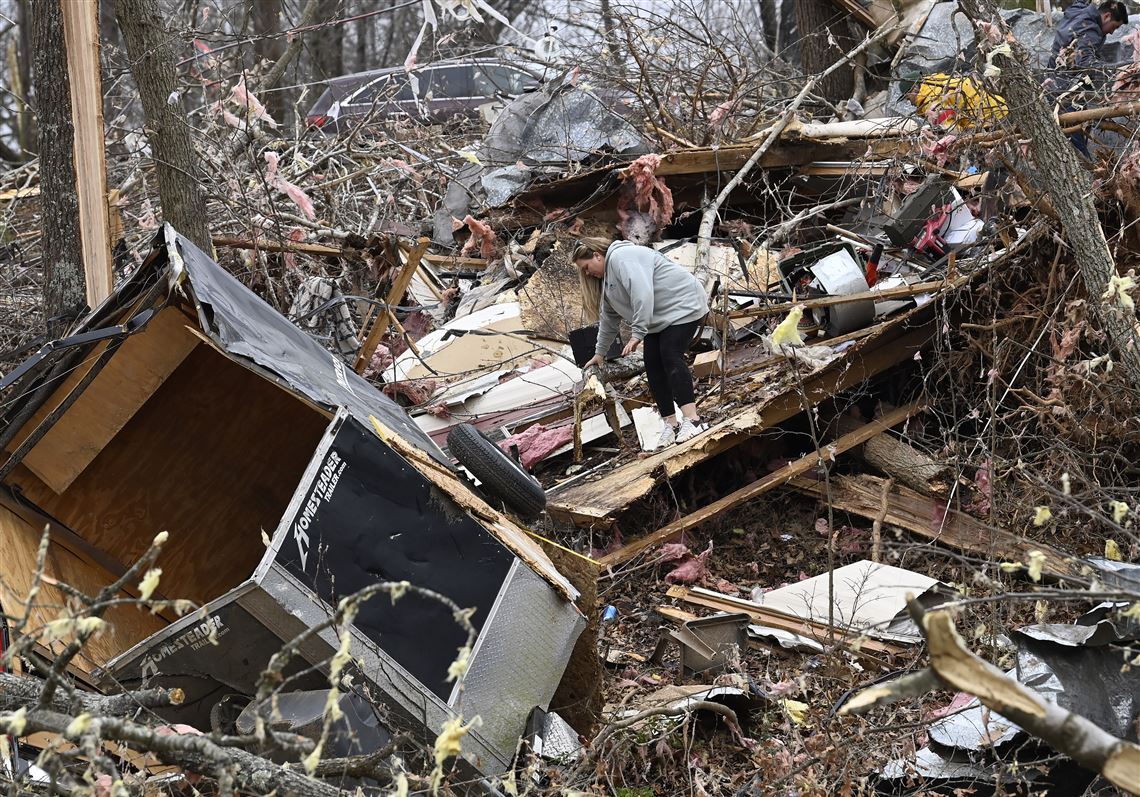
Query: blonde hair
x,y
591,287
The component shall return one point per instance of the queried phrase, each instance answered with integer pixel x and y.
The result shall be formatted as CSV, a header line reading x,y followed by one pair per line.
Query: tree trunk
x,y
151,51
1069,186
363,34
268,47
895,458
610,28
818,21
328,50
24,119
65,293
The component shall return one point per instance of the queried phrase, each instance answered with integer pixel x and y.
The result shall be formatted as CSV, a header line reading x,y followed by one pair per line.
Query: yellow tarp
x,y
958,103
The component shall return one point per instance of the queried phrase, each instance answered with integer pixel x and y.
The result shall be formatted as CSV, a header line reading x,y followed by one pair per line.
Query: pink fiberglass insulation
x,y
482,236
538,442
644,198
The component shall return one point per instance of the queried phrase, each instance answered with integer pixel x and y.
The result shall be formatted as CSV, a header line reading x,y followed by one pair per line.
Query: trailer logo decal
x,y
322,491
208,632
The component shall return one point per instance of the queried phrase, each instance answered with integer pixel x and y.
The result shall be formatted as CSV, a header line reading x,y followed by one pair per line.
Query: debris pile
x,y
916,470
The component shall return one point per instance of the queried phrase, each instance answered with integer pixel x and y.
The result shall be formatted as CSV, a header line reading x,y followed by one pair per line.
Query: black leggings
x,y
669,377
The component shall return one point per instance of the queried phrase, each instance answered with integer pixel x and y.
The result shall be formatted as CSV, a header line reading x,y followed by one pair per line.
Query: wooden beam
x,y
930,519
796,625
81,38
901,292
760,486
265,245
593,503
388,316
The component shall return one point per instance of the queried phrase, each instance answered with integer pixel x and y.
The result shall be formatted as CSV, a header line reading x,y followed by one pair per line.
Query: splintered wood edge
x,y
1122,769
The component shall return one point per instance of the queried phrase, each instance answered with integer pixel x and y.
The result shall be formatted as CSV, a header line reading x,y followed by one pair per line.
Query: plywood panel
x,y
141,364
213,458
20,542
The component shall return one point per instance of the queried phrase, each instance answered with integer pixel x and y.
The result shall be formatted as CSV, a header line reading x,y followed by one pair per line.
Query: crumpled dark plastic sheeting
x,y
537,133
1077,666
245,326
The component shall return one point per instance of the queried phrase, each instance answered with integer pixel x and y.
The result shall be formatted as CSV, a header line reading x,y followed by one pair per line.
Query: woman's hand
x,y
593,362
631,347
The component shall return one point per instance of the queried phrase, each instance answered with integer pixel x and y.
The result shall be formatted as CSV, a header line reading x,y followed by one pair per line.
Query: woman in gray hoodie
x,y
664,305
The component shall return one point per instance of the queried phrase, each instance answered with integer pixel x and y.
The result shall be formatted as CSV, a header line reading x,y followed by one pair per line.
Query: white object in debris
x,y
785,639
549,384
963,227
869,598
497,349
647,421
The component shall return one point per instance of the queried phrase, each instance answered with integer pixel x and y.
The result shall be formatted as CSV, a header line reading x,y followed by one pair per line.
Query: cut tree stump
x,y
904,462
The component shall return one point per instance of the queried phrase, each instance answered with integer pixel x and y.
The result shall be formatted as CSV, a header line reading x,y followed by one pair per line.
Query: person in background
x,y
1082,32
664,305
1076,50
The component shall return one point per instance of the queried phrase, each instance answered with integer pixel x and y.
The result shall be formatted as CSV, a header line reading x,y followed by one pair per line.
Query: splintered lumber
x,y
871,15
796,625
81,36
761,486
387,316
593,503
930,519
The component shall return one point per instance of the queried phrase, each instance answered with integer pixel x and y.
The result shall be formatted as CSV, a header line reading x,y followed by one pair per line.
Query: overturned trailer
x,y
186,404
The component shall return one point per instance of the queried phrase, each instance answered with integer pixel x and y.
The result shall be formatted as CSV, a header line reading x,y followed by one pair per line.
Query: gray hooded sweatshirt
x,y
648,290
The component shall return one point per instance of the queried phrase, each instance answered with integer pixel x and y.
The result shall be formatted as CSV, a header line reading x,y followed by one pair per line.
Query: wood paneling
x,y
142,363
213,458
20,541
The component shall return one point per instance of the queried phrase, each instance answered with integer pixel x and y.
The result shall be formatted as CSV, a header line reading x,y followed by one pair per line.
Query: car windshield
x,y
388,87
490,80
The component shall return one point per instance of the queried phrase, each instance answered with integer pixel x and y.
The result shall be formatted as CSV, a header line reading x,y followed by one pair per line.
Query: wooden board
x,y
595,502
930,519
765,616
760,486
81,38
128,625
470,354
142,363
213,458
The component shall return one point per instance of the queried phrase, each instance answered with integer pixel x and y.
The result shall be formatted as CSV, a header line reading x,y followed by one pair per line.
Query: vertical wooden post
x,y
387,317
81,35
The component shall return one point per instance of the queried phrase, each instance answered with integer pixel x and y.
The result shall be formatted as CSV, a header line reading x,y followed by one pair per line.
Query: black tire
x,y
501,476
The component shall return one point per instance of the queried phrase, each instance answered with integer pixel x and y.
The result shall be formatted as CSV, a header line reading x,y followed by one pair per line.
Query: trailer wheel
x,y
501,476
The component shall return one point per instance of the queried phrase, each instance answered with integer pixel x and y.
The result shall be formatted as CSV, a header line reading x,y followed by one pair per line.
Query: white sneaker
x,y
688,430
667,438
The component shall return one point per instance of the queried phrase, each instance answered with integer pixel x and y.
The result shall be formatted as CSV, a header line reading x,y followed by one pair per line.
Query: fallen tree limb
x,y
708,218
930,519
17,691
199,754
956,667
1065,120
